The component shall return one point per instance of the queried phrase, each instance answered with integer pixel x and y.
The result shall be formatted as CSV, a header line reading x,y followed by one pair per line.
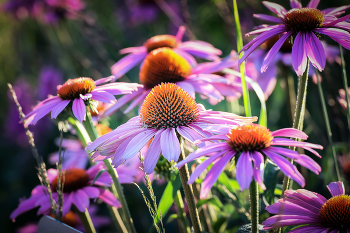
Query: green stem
x,y
184,175
86,220
254,205
298,113
328,127
345,81
88,124
182,215
239,38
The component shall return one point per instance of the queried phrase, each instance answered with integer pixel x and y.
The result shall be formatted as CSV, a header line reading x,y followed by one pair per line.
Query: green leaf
x,y
270,175
214,200
168,196
98,176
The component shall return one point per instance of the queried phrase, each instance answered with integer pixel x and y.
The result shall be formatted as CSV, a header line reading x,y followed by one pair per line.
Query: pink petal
x,y
299,54
153,153
170,145
59,108
336,188
289,132
295,4
126,63
244,170
268,18
79,109
313,3
275,8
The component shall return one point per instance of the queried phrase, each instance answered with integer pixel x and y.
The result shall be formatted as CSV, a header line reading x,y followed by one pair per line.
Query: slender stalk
x,y
345,81
85,138
182,215
204,215
254,205
184,175
299,112
85,220
239,38
88,124
328,127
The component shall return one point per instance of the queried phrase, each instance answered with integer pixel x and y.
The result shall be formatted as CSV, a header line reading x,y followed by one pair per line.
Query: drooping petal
x,y
59,108
334,32
102,96
187,56
274,50
153,153
107,197
187,87
91,192
126,63
214,174
79,109
336,188
278,221
67,203
299,54
258,168
201,167
244,170
138,142
80,200
170,145
289,132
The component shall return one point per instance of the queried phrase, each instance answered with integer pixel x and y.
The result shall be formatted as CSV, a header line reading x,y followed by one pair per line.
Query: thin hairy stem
x,y
85,219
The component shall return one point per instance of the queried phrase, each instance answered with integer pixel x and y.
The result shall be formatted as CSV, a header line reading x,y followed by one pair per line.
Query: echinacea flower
x,y
78,92
164,65
167,113
252,144
311,211
186,49
304,24
77,190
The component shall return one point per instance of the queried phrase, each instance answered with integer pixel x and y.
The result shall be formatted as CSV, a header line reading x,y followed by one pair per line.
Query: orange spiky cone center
x,y
168,106
304,19
250,137
73,88
74,179
335,213
163,65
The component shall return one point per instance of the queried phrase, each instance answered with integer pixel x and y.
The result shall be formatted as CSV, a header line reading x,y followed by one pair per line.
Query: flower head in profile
x,y
77,93
186,49
252,144
164,65
167,113
77,190
304,25
311,210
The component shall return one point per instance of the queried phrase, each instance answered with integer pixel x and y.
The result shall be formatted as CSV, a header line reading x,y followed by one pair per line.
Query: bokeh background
x,y
44,45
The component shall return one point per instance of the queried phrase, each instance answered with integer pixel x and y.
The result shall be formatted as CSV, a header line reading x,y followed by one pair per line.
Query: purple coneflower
x,y
311,210
77,190
167,113
252,143
164,65
185,49
78,92
304,24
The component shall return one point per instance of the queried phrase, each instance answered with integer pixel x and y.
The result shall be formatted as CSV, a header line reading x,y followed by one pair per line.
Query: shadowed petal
x,y
315,51
214,173
274,50
295,4
59,108
91,192
334,32
107,197
80,200
187,87
336,188
126,63
102,96
299,54
258,168
187,56
79,109
244,172
138,142
153,153
268,18
170,145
